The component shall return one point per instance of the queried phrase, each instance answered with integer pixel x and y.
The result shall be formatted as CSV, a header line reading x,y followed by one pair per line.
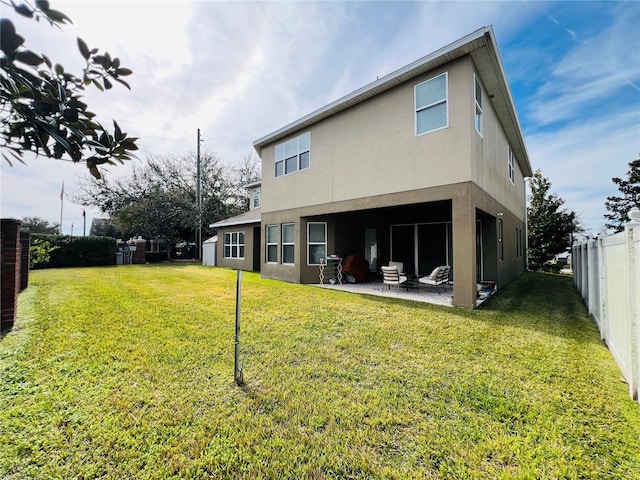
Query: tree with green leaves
x,y
40,101
39,225
550,226
157,199
619,206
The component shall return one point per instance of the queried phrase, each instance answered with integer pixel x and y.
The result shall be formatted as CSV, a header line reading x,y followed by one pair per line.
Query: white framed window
x,y
271,234
511,170
431,104
234,245
288,243
256,198
478,104
293,155
316,242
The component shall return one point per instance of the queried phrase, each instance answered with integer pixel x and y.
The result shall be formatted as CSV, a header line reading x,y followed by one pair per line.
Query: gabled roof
x,y
252,216
482,47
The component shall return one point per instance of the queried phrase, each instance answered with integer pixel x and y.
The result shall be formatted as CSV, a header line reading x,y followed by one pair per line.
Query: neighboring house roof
x,y
482,47
253,184
213,239
252,216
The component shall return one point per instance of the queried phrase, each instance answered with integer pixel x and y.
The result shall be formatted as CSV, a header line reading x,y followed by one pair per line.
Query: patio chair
x,y
438,277
400,266
391,277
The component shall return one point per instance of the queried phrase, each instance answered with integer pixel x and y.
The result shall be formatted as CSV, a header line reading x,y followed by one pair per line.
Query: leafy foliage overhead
x,y
40,102
619,206
549,225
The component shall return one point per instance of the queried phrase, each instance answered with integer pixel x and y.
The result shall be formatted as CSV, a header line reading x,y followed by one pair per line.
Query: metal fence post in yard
x,y
237,369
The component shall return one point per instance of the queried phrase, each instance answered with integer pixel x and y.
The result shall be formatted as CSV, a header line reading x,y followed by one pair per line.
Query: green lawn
x,y
127,372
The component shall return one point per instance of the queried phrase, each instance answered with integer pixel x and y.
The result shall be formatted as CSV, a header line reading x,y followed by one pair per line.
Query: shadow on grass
x,y
541,302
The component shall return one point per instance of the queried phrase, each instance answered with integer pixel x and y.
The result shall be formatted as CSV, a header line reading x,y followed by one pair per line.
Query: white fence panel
x,y
593,286
618,329
607,274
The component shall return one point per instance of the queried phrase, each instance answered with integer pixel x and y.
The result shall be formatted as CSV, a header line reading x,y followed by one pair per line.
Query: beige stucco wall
x,y
368,157
371,149
245,263
491,151
467,199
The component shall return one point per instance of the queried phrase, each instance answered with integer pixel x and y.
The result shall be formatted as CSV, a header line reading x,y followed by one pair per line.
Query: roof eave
x,y
233,224
502,99
444,55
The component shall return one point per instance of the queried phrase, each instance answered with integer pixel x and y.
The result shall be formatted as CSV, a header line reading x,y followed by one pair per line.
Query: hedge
x,y
156,257
67,251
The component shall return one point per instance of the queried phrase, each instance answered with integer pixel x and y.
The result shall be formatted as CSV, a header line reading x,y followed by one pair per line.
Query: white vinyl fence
x,y
607,274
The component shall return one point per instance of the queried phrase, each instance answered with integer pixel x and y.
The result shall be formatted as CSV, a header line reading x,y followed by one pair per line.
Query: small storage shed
x,y
209,247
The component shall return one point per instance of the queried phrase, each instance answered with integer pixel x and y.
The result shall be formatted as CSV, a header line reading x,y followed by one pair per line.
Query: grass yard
x,y
127,372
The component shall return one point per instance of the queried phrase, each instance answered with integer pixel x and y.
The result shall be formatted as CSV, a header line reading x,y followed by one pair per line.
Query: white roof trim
x,y
231,223
253,184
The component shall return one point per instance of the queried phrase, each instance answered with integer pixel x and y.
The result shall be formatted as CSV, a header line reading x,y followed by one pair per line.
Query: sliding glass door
x,y
422,247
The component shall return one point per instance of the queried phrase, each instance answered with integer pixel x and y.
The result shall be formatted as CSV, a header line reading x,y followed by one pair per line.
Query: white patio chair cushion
x,y
439,276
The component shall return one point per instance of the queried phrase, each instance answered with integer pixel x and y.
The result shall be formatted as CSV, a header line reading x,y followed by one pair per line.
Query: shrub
x,y
551,267
40,252
50,251
156,257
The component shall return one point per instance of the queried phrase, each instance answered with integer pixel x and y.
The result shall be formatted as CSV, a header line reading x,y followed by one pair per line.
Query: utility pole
x,y
199,204
84,223
61,204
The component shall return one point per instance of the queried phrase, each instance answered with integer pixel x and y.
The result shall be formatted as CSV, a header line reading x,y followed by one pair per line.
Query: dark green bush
x,y
156,257
67,251
552,267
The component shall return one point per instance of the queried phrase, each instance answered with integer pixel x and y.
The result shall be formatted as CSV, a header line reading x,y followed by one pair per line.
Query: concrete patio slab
x,y
421,294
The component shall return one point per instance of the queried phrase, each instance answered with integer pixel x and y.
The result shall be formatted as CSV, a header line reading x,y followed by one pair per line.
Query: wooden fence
x,y
607,274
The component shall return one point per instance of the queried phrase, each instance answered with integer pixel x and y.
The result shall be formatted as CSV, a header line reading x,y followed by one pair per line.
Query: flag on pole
x,y
62,192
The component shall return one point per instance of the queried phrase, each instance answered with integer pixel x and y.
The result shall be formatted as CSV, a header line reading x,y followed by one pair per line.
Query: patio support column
x,y
464,250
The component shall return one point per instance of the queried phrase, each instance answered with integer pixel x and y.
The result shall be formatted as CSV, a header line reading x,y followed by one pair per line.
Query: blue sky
x,y
239,70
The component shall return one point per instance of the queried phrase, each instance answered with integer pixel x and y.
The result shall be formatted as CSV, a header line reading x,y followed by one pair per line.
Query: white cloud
x,y
592,72
239,70
580,160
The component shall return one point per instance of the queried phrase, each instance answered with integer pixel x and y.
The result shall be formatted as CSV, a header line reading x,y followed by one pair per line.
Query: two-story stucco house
x,y
425,166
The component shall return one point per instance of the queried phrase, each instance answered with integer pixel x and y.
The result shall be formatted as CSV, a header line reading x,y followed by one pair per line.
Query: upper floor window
x,y
511,171
431,104
293,155
478,104
256,198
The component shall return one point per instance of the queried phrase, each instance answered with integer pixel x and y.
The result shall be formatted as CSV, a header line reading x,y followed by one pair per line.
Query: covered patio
x,y
423,293
418,236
